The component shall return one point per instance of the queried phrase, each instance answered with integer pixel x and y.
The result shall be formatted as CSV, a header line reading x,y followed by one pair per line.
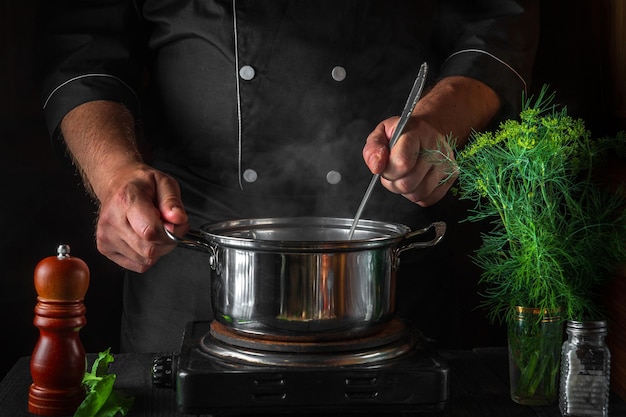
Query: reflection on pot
x,y
313,289
300,278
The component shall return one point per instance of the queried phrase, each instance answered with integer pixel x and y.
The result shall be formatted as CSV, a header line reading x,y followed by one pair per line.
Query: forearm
x,y
100,136
457,105
136,201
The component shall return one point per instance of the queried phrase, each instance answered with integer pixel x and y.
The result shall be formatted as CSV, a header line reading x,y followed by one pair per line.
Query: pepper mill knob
x,y
58,362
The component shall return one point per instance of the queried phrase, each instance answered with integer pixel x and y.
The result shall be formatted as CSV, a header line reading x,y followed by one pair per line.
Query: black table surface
x,y
478,382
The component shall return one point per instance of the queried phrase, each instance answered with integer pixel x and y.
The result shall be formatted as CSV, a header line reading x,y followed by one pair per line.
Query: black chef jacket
x,y
261,109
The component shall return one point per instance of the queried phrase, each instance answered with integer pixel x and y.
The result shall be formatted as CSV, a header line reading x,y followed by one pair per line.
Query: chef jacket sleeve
x,y
493,41
87,50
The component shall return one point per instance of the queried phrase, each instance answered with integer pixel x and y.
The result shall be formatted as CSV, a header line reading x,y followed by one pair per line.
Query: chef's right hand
x,y
140,202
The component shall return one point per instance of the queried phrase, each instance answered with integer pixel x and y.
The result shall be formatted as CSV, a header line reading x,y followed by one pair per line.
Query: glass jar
x,y
535,338
585,370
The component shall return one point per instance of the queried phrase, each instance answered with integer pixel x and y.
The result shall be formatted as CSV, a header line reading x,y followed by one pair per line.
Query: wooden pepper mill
x,y
58,362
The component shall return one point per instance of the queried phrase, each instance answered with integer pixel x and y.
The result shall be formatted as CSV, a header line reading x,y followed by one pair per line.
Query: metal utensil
x,y
414,96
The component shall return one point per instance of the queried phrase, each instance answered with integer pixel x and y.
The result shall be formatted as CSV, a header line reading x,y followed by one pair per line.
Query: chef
x,y
182,113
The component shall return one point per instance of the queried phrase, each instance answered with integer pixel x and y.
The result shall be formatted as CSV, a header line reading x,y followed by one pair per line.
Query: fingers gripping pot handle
x,y
196,240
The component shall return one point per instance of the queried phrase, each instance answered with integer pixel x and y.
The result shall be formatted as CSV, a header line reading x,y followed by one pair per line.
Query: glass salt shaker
x,y
585,370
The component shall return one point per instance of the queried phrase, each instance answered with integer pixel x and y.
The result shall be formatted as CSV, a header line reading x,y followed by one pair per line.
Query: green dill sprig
x,y
556,232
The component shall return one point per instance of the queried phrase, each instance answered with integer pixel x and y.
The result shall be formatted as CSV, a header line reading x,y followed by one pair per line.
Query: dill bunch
x,y
556,232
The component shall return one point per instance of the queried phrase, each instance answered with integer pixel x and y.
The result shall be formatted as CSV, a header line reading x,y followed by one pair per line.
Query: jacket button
x,y
247,72
338,73
250,175
333,177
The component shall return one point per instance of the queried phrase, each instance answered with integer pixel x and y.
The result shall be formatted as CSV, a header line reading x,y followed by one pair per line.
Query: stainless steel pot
x,y
302,279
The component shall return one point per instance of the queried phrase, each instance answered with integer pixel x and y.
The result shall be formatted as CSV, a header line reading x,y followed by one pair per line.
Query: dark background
x,y
43,203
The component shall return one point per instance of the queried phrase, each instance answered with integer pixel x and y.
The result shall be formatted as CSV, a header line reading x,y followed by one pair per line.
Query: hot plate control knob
x,y
163,371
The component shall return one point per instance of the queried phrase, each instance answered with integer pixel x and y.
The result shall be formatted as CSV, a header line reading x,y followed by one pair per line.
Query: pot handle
x,y
195,239
440,231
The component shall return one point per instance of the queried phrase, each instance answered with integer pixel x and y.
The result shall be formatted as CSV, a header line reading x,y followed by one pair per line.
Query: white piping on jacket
x,y
239,146
480,51
86,76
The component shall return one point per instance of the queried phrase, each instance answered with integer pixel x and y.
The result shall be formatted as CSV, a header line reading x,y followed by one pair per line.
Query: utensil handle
x,y
409,106
414,96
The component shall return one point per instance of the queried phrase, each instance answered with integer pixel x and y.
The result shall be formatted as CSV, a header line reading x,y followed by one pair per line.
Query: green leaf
x,y
101,399
96,398
116,403
100,366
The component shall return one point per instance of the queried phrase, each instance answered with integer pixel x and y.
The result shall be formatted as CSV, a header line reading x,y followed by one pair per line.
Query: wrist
x,y
457,106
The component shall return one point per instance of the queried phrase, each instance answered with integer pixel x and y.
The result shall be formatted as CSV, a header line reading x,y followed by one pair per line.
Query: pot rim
x,y
240,233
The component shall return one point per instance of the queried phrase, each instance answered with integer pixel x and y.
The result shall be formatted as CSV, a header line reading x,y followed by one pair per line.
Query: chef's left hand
x,y
406,169
454,107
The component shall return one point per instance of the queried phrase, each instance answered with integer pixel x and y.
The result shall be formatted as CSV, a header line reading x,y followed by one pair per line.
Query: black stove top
x,y
210,382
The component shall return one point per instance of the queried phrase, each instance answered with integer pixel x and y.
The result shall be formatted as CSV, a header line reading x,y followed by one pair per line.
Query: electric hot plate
x,y
219,372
